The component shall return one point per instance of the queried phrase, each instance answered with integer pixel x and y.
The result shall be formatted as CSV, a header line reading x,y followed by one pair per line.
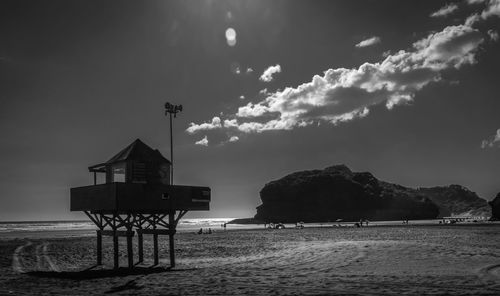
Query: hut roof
x,y
135,151
138,151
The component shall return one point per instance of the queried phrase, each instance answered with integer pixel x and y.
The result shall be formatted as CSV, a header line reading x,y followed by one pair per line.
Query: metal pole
x,y
171,153
171,223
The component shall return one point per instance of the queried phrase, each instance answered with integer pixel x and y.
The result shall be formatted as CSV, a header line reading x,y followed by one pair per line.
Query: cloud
x,y
472,19
202,142
267,76
493,35
249,70
445,10
242,97
369,42
493,141
492,9
229,123
234,139
193,127
476,1
342,95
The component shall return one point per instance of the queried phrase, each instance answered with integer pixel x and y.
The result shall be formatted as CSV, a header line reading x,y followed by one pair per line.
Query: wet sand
x,y
384,260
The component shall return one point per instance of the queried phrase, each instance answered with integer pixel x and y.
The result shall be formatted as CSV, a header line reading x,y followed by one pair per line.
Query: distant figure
x,y
357,224
210,231
367,222
225,226
200,231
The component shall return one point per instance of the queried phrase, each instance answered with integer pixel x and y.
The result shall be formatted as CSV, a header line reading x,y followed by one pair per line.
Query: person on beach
x,y
225,226
200,231
210,231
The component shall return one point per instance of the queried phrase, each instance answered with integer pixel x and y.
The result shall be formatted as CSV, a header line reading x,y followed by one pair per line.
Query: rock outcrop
x,y
495,208
456,200
338,193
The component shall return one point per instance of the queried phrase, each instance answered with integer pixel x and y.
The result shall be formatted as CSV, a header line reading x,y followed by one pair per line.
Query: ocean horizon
x,y
70,225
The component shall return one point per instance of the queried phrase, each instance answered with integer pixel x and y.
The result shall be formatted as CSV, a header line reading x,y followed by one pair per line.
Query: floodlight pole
x,y
172,109
171,152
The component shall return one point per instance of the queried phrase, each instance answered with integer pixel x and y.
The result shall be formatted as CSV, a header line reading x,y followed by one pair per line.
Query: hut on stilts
x,y
137,198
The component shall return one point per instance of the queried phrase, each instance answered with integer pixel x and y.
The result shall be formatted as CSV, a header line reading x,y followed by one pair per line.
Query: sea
x,y
23,229
44,229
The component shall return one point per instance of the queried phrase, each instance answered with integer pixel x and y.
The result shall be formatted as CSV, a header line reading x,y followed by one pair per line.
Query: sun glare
x,y
231,36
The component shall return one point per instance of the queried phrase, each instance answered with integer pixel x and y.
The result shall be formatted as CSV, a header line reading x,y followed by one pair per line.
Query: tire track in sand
x,y
52,265
43,260
17,261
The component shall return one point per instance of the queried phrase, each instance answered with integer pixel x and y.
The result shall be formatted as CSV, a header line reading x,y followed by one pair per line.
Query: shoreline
x,y
78,233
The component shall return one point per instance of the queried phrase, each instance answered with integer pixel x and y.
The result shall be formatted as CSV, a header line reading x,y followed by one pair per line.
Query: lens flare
x,y
231,36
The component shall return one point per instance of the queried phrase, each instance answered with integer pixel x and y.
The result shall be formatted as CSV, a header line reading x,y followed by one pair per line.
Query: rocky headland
x,y
338,193
495,208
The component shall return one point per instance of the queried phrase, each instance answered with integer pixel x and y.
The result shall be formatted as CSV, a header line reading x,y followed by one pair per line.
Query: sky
x,y
407,90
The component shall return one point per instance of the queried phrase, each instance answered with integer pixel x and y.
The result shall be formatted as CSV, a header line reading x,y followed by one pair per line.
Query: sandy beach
x,y
383,260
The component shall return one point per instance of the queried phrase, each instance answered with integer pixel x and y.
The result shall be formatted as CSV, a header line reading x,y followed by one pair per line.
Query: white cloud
x,y
242,97
492,9
369,42
215,123
445,10
202,142
493,141
475,1
234,139
341,94
472,19
493,35
249,70
267,76
251,110
230,123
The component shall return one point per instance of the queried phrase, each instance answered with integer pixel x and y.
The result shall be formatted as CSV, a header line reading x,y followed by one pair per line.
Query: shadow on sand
x,y
92,273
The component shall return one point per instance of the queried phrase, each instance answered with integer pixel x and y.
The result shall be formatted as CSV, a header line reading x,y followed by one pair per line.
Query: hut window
x,y
139,173
118,172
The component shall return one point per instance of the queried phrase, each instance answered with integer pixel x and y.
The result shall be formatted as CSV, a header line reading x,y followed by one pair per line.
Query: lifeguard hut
x,y
137,197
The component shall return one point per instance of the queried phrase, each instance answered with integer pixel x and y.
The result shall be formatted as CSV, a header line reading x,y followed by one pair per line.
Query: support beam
x,y
130,251
115,252
99,247
140,246
171,224
155,249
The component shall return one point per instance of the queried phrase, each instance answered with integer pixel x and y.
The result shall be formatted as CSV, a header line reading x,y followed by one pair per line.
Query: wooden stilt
x,y
155,248
130,251
115,252
140,246
171,226
99,247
